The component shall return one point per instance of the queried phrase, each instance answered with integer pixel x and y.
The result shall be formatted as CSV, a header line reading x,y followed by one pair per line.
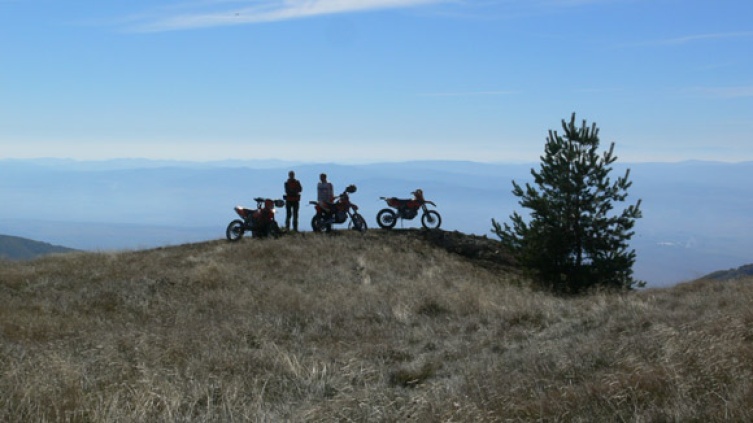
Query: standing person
x,y
292,200
325,192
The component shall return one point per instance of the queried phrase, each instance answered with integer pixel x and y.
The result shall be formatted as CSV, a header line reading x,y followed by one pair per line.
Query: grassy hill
x,y
386,326
742,272
17,248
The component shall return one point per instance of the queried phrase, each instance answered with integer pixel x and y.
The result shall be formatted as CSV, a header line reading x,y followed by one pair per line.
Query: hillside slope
x,y
741,272
17,248
385,326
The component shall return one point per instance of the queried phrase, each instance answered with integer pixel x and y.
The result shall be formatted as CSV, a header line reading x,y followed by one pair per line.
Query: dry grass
x,y
353,327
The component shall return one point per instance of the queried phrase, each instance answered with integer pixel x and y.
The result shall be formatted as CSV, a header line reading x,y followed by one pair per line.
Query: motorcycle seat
x,y
324,204
400,202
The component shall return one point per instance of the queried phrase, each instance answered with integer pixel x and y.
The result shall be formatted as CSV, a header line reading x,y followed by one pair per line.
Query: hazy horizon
x,y
696,214
140,160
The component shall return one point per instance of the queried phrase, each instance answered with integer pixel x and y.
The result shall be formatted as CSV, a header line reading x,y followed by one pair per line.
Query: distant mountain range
x,y
697,215
17,248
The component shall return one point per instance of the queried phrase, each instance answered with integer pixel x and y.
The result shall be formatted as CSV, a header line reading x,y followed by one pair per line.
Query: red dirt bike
x,y
338,212
408,209
260,221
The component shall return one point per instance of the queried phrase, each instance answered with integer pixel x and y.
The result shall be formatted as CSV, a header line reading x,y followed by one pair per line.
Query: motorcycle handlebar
x,y
261,200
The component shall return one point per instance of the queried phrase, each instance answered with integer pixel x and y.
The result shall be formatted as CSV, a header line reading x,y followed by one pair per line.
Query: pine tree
x,y
574,240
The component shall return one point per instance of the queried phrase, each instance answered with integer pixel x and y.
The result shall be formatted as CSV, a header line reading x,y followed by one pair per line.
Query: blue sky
x,y
373,80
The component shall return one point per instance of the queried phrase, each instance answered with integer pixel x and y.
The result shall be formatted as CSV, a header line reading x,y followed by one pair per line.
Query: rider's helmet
x,y
419,194
351,189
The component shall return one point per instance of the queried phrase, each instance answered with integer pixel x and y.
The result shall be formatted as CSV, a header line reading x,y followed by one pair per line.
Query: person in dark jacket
x,y
292,200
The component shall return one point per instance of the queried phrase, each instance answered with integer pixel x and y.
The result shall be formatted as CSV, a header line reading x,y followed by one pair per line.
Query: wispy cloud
x,y
468,93
702,37
744,91
687,39
196,14
225,13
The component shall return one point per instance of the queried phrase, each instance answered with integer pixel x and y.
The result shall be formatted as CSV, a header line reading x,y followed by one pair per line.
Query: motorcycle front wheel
x,y
431,220
386,219
235,230
358,223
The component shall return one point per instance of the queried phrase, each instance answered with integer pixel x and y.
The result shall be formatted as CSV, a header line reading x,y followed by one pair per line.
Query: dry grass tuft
x,y
370,327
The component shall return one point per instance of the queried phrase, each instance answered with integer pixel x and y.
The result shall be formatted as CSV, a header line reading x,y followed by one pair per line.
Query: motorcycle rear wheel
x,y
235,230
386,219
318,225
431,220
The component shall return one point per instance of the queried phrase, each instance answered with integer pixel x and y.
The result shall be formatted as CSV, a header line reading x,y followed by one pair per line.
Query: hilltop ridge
x,y
479,249
19,248
742,272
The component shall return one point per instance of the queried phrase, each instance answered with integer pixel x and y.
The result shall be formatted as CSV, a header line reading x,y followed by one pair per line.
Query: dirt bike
x,y
338,212
259,221
408,209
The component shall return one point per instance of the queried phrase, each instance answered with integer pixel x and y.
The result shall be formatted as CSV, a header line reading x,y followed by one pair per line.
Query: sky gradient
x,y
373,80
